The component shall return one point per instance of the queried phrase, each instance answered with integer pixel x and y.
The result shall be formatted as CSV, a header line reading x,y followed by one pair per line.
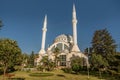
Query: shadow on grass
x,y
16,79
60,75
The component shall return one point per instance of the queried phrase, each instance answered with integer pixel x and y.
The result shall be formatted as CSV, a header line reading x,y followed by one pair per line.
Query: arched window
x,y
59,46
66,47
53,48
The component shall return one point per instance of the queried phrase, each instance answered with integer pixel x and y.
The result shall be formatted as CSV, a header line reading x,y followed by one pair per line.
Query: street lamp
x,y
88,64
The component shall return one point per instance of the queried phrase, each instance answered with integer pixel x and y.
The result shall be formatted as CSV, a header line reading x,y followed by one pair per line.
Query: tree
x,y
103,44
1,24
88,50
98,62
31,59
25,58
117,62
10,54
76,64
56,52
103,50
46,64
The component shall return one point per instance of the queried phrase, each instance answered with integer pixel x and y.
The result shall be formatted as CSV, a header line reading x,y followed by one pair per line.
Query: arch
x,y
60,45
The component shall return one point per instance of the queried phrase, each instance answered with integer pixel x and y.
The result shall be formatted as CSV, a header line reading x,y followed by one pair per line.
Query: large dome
x,y
64,38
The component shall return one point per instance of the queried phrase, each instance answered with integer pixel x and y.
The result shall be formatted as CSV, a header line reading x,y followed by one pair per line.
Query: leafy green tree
x,y
98,62
76,64
56,52
117,62
31,59
88,50
103,44
46,64
25,58
10,54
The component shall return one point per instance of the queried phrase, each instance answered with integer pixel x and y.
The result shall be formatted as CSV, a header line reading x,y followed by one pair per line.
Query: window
x,y
62,60
65,47
53,48
59,46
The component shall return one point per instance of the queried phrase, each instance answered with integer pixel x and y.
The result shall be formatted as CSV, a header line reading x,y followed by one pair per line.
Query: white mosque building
x,y
66,44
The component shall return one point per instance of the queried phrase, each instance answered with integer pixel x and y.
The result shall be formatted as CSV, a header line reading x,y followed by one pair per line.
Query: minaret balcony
x,y
74,21
44,29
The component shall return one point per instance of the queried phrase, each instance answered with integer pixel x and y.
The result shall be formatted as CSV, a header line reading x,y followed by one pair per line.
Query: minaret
x,y
75,47
44,29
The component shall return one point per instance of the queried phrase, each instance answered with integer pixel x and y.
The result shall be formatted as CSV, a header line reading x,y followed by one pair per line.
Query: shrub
x,y
1,71
40,68
76,68
112,72
76,64
67,70
119,68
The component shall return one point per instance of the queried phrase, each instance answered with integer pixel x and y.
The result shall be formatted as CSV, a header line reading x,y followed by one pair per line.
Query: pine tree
x,y
1,24
103,44
103,50
31,59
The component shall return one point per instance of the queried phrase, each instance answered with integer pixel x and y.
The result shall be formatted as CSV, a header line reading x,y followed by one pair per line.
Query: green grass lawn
x,y
58,75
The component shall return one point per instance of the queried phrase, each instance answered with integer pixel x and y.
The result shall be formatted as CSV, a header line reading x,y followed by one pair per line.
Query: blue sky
x,y
23,20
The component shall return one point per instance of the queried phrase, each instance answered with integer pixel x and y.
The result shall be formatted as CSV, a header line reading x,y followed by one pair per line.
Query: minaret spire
x,y
74,12
44,29
74,22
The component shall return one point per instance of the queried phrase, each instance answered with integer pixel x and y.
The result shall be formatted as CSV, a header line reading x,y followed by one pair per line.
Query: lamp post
x,y
88,64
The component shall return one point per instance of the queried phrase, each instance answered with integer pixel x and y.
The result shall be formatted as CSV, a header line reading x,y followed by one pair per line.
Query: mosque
x,y
66,44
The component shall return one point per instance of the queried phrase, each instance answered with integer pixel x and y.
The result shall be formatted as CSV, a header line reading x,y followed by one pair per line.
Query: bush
x,y
77,64
40,68
67,70
1,71
41,74
84,68
119,68
76,68
112,72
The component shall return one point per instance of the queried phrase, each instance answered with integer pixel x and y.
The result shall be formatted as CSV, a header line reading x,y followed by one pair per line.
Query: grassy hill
x,y
58,75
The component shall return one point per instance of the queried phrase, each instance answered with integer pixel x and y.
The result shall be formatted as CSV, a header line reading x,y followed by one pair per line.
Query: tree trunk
x,y
5,68
100,74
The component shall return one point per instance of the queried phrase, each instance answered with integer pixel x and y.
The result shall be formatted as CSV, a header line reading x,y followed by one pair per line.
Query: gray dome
x,y
64,38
